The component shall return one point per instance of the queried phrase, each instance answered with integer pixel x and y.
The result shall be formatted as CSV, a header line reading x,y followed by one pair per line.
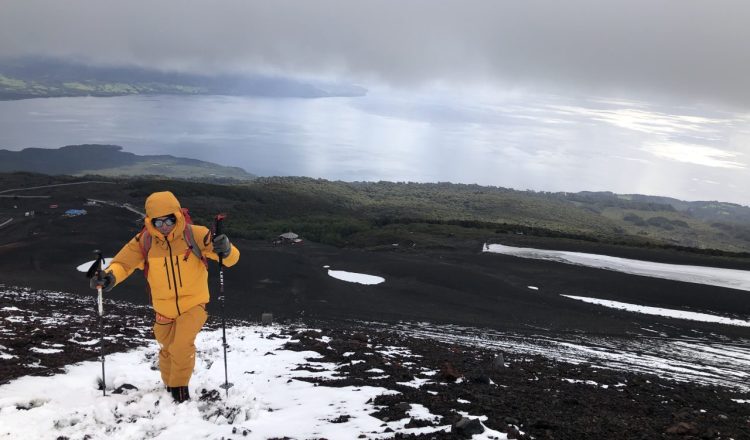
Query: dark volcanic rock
x,y
682,428
448,372
466,427
124,388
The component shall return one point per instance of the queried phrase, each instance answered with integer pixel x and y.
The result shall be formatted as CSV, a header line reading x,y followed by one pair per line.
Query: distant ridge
x,y
24,78
110,160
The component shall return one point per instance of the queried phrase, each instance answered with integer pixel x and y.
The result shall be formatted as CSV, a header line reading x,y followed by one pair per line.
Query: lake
x,y
335,138
514,140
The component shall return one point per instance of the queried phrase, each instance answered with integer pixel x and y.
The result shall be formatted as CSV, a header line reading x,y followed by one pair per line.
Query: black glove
x,y
222,246
107,282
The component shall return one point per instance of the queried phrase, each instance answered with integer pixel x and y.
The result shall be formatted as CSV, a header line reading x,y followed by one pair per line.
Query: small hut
x,y
287,238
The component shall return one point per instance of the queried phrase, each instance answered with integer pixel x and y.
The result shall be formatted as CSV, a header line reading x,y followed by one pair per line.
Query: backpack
x,y
145,240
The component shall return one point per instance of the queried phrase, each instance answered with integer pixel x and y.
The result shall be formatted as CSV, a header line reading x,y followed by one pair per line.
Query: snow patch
x,y
45,350
669,313
712,276
585,382
354,277
89,342
415,383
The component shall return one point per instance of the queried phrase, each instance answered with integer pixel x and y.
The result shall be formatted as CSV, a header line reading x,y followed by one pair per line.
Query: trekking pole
x,y
217,231
96,270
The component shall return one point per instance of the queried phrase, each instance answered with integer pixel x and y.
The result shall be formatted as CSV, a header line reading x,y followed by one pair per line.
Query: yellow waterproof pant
x,y
177,342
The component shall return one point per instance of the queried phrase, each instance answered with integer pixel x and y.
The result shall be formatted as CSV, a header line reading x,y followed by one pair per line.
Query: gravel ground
x,y
525,396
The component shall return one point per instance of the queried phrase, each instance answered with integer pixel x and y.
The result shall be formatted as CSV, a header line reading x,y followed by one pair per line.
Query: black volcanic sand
x,y
524,396
456,284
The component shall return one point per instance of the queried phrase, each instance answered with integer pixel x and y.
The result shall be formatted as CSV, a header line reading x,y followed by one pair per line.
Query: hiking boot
x,y
180,394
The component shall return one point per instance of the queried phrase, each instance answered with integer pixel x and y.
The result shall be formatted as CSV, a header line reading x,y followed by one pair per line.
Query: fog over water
x,y
522,141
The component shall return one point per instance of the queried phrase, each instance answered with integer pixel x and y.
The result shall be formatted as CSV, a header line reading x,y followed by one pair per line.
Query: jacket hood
x,y
160,204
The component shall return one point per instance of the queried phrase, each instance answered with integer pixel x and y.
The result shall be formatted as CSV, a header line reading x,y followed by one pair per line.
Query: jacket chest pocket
x,y
165,274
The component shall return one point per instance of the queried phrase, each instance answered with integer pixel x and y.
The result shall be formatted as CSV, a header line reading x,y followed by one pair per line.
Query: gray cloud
x,y
683,49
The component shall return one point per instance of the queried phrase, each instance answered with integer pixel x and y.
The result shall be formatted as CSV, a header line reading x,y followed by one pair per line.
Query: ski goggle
x,y
164,221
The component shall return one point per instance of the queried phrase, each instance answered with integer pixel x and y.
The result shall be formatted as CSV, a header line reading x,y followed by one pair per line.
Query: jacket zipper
x,y
179,272
166,269
176,294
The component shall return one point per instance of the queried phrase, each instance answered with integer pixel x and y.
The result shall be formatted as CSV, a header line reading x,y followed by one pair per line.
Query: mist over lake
x,y
520,141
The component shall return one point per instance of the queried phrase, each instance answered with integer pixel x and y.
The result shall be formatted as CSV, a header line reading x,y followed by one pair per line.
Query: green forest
x,y
383,214
367,214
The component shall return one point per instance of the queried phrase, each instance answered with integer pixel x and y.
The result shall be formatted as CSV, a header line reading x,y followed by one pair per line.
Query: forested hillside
x,y
384,214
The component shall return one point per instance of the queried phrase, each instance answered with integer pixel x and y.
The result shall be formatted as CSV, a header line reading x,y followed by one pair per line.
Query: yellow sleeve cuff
x,y
233,257
119,273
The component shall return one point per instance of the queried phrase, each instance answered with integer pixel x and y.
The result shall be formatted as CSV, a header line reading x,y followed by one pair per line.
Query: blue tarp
x,y
72,212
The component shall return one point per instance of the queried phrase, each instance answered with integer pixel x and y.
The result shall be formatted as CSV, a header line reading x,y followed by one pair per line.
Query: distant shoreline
x,y
156,95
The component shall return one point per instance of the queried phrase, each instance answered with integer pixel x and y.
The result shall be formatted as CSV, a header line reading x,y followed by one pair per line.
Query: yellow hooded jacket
x,y
178,279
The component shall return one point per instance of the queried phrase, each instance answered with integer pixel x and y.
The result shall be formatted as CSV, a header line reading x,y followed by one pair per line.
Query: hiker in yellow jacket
x,y
172,253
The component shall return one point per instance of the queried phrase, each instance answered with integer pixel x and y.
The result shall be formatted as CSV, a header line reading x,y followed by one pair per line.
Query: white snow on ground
x,y
670,313
4,355
45,350
354,277
85,266
585,382
712,276
701,359
265,402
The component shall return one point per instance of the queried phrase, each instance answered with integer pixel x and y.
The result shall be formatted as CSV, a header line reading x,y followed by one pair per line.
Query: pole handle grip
x,y
218,223
99,261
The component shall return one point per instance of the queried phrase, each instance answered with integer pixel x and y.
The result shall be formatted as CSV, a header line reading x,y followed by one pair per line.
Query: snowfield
x,y
266,400
712,276
659,311
270,397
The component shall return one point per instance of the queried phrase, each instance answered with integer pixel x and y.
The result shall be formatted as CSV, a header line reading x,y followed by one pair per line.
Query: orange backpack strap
x,y
144,240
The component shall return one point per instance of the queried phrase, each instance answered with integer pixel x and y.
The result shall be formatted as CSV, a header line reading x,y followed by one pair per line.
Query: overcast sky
x,y
683,49
665,84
